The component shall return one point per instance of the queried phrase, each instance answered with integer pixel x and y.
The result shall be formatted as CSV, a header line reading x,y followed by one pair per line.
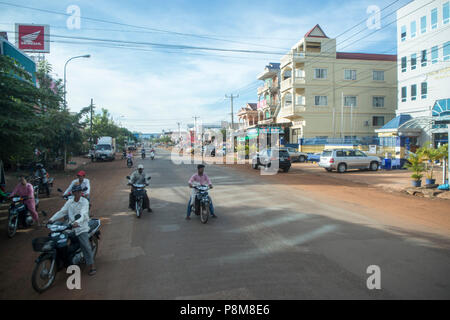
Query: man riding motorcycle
x,y
130,156
73,207
41,173
201,178
138,177
83,182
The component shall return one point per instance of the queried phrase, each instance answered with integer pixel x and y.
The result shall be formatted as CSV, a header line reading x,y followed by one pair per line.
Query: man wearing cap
x,y
77,210
83,182
200,178
138,177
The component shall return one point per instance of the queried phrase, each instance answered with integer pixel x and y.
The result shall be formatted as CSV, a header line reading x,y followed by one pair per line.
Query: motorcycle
x,y
201,203
129,162
60,249
18,214
44,186
139,194
124,155
152,155
143,155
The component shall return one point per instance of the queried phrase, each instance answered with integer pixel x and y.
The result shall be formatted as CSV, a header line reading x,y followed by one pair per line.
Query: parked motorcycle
x,y
202,202
129,162
19,215
139,194
60,250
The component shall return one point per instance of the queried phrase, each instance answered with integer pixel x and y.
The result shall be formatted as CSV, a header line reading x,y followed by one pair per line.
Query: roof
x,y
273,65
366,56
316,32
252,105
397,122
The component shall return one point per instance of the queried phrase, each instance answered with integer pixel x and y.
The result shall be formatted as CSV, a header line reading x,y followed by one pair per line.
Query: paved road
x,y
269,242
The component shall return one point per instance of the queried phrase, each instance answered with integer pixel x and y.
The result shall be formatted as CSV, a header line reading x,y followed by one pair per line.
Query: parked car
x,y
343,159
266,157
296,156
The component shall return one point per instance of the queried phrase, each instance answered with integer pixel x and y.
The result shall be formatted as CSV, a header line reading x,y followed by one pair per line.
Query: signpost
x,y
33,38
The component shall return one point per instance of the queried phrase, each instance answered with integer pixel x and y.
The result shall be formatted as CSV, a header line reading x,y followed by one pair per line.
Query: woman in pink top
x,y
25,189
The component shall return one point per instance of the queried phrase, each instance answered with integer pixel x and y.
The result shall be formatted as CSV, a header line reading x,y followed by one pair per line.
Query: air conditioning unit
x,y
366,123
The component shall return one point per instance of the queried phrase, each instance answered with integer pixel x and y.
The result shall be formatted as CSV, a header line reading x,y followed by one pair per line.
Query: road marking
x,y
271,223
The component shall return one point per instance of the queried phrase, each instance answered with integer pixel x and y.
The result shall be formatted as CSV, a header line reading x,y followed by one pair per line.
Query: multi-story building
x,y
248,116
423,37
329,94
269,94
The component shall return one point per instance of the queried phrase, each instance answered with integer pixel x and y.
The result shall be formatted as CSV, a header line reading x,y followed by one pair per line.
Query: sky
x,y
149,88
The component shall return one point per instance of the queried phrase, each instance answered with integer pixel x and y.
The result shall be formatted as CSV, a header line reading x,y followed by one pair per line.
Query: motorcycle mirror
x,y
128,177
78,216
44,213
85,189
59,190
148,178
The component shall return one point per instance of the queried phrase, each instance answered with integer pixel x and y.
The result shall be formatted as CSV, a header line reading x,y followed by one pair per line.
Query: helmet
x,y
76,188
140,166
81,173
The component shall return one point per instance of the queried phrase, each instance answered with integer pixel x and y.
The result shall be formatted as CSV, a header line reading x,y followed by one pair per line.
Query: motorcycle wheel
x,y
204,213
41,271
138,208
94,246
11,226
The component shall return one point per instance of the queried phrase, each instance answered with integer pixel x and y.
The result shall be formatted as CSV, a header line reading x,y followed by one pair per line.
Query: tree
x,y
19,100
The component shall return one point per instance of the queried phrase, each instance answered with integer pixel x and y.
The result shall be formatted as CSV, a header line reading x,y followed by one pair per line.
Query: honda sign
x,y
33,37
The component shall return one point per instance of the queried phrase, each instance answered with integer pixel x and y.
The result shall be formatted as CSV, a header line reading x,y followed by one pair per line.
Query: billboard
x,y
33,37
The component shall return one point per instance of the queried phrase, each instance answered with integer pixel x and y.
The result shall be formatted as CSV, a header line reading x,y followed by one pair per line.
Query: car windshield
x,y
103,147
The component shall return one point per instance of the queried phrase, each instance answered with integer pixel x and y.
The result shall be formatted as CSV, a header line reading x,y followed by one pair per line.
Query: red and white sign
x,y
33,37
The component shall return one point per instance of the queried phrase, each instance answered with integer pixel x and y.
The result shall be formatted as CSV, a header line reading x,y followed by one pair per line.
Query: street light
x,y
65,66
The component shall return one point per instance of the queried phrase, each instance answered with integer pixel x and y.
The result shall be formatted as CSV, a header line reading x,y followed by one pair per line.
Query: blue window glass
x,y
434,18
423,24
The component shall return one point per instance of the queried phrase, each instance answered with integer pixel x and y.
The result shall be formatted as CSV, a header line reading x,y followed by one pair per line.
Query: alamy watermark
x,y
237,147
374,280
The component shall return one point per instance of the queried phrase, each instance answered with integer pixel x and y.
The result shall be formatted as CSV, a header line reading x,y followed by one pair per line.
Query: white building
x,y
423,37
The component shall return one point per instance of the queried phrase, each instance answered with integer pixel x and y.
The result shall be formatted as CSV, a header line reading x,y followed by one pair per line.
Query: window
x,y
423,90
434,54
413,29
403,33
321,100
320,73
378,121
349,74
403,64
445,12
350,101
359,153
434,18
423,24
413,92
378,75
424,58
413,61
403,94
378,102
447,51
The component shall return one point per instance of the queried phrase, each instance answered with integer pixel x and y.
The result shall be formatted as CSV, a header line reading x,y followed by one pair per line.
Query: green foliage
x,y
416,166
429,155
33,117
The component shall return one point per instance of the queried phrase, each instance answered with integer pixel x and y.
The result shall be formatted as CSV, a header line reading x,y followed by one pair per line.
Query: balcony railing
x,y
299,56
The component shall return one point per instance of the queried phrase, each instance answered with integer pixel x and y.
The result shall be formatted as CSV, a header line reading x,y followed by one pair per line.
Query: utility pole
x,y
179,131
195,127
92,111
232,97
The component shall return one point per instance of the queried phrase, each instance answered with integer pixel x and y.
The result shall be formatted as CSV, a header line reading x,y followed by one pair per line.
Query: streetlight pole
x,y
65,71
65,102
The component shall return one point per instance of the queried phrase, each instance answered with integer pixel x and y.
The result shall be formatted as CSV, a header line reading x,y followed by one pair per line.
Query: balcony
x,y
292,57
266,87
293,110
292,82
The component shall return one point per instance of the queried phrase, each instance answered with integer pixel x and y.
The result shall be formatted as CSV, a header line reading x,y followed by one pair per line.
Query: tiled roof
x,y
366,56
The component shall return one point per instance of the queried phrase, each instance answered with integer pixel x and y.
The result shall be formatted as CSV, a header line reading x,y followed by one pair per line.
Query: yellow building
x,y
329,94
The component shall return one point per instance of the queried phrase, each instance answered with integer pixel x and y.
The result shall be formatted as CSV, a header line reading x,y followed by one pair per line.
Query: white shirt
x,y
84,184
71,209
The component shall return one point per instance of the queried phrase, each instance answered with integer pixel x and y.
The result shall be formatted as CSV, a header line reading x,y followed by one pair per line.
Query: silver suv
x,y
343,159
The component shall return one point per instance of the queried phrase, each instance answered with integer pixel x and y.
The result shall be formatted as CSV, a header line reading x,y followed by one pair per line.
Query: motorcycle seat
x,y
93,224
